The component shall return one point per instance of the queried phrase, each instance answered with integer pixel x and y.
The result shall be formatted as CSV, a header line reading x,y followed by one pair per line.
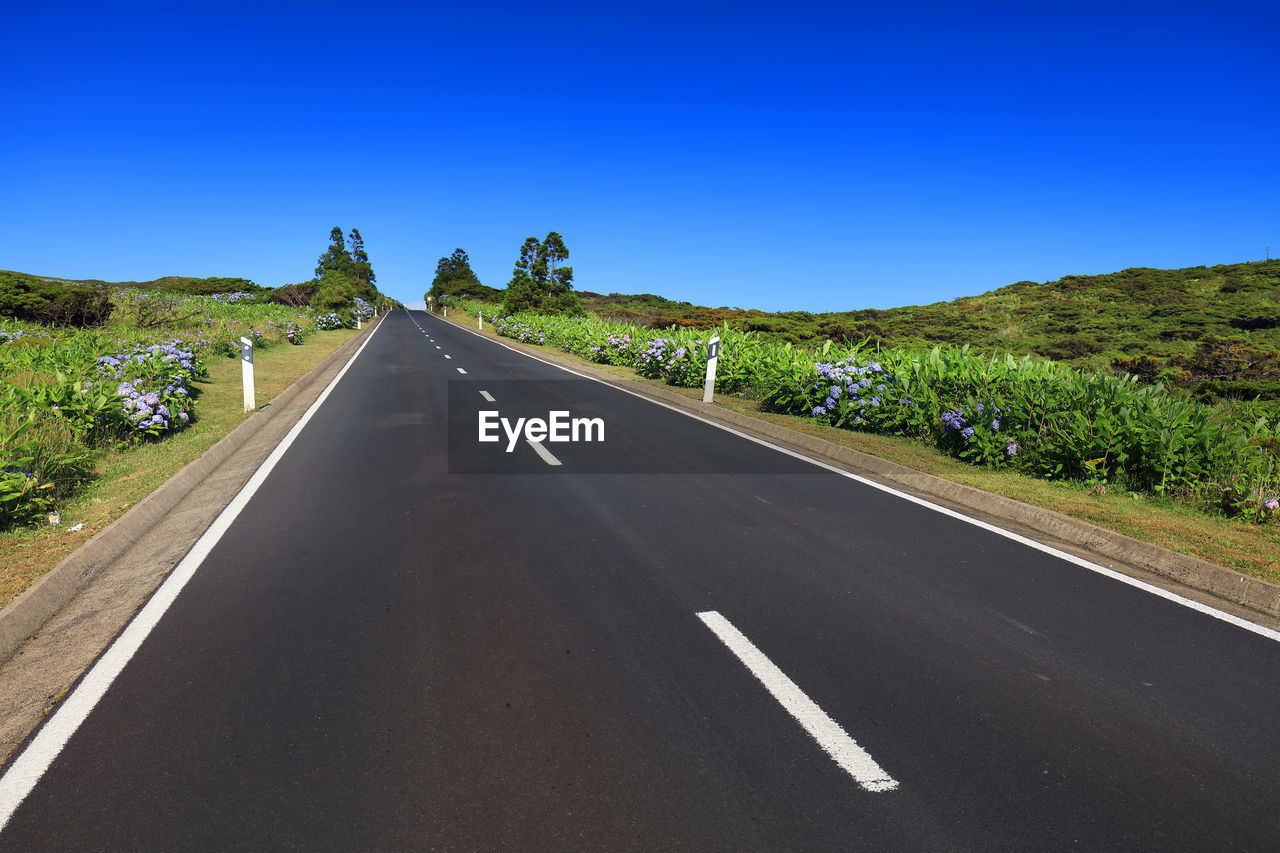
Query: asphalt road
x,y
409,640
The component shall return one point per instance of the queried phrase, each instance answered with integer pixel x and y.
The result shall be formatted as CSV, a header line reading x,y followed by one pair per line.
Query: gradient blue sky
x,y
798,155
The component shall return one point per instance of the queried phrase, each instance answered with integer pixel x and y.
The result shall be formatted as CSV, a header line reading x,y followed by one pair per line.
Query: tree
x,y
336,258
552,251
537,284
335,292
342,274
361,270
454,276
527,271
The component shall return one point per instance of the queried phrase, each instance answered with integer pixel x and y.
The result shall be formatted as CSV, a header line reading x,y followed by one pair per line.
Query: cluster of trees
x,y
454,277
343,273
541,281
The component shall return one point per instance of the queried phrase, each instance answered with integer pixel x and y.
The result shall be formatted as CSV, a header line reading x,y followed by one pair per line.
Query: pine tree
x,y
336,258
360,269
537,283
455,276
552,250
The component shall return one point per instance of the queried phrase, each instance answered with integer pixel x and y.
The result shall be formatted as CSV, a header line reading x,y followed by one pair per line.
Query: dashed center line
x,y
447,356
546,455
852,758
463,372
488,396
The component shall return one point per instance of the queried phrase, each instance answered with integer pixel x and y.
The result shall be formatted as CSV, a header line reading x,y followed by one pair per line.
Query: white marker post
x,y
713,355
246,374
480,321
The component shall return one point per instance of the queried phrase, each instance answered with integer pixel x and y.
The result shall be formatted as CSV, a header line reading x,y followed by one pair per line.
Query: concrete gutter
x,y
25,615
1192,577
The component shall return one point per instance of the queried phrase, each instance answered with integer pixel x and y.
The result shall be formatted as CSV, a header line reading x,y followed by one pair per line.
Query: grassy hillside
x,y
169,283
1091,322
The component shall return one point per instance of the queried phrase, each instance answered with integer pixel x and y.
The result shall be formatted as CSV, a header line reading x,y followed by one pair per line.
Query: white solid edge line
x,y
543,452
1197,606
23,774
833,739
488,396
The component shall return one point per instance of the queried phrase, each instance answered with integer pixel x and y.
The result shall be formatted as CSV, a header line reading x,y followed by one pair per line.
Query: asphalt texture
x,y
412,641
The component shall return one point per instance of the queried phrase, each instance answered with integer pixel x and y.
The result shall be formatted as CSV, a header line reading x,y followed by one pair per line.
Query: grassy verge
x,y
126,476
1250,549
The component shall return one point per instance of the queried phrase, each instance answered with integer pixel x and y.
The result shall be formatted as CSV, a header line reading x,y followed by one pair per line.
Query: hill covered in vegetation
x,y
1215,329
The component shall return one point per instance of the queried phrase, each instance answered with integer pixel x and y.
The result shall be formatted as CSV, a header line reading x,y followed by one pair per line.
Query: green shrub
x,y
54,303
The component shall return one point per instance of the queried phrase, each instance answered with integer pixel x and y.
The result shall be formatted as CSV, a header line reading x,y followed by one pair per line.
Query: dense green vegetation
x,y
540,281
537,284
1212,328
88,366
455,278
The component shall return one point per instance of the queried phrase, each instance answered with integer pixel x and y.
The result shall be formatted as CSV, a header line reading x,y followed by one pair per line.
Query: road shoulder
x,y
52,633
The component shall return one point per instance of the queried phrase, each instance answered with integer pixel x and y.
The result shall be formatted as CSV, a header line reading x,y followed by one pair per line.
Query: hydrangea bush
x,y
70,393
517,330
326,322
362,311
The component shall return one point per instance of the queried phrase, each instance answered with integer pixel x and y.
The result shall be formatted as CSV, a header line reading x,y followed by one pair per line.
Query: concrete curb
x,y
1114,550
25,615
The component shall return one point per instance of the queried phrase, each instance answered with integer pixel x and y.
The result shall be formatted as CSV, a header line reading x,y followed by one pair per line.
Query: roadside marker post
x,y
713,355
246,373
480,321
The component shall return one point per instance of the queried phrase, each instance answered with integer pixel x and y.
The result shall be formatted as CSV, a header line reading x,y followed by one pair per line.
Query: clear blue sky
x,y
798,155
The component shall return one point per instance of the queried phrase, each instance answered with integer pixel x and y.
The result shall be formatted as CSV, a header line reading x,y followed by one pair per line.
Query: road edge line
x,y
29,766
22,618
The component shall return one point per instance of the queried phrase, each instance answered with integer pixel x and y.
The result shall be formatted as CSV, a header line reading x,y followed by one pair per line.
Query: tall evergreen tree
x,y
455,276
537,283
336,258
361,270
551,251
526,271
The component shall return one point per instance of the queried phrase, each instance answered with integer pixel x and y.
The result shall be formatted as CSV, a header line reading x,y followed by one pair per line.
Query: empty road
x,y
670,638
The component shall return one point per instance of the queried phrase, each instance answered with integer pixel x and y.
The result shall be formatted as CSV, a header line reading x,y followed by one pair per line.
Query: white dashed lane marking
x,y
852,758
